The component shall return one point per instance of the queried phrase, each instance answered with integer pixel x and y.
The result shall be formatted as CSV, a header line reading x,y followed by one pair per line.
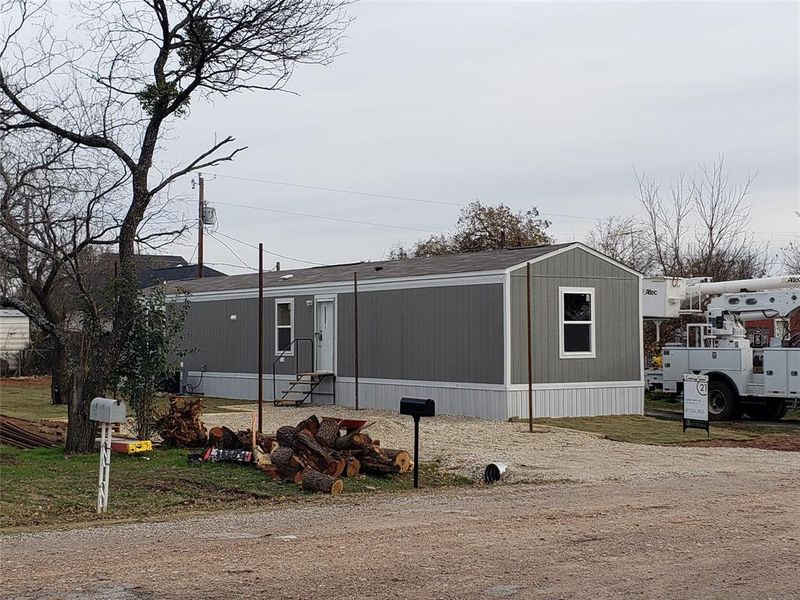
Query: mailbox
x,y
418,407
107,410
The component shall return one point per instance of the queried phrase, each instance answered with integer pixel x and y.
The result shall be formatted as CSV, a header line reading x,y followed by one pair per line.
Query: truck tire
x,y
723,401
771,410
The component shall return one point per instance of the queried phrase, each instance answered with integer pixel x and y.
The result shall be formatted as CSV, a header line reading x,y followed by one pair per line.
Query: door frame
x,y
335,303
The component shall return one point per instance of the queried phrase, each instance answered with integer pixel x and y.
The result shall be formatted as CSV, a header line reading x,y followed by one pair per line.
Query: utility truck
x,y
762,382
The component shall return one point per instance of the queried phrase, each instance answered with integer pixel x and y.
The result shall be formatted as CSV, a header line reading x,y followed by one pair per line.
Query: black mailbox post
x,y
417,407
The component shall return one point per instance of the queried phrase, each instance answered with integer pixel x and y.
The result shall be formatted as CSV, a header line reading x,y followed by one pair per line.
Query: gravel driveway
x,y
550,454
705,538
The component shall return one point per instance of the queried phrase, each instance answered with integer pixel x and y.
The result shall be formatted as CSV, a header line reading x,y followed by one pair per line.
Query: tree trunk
x,y
81,431
314,481
60,377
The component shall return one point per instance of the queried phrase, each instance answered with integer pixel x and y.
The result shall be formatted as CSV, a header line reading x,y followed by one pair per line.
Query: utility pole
x,y
355,333
260,337
201,206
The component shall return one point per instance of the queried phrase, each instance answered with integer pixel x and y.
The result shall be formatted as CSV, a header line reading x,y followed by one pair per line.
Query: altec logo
x,y
649,292
793,280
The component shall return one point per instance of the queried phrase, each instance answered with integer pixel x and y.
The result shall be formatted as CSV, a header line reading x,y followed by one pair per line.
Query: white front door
x,y
324,334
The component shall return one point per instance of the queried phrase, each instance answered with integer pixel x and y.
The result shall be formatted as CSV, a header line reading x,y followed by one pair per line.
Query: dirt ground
x,y
466,445
711,537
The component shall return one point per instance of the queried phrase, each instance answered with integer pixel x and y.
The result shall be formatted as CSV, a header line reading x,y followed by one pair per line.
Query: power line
x,y
326,218
338,191
308,262
375,195
239,258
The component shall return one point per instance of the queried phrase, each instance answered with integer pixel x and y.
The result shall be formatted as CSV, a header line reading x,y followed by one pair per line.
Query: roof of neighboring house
x,y
471,262
12,313
183,273
154,268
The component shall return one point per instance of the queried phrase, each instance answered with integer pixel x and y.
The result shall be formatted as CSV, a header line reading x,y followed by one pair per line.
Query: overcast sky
x,y
528,103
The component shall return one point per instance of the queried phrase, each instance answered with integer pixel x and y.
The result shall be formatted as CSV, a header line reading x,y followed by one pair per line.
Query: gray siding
x,y
426,334
226,346
617,320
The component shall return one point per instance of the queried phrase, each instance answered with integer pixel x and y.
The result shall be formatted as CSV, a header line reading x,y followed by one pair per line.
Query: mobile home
x,y
452,328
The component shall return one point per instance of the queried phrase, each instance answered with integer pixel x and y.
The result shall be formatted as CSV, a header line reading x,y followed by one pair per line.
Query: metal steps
x,y
304,385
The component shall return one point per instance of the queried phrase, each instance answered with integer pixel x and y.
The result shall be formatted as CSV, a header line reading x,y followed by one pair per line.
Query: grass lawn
x,y
43,488
667,404
637,429
29,398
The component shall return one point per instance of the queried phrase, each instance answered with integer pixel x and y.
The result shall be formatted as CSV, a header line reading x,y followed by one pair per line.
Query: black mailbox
x,y
418,407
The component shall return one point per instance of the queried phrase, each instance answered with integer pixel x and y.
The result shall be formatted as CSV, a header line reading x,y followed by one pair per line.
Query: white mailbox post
x,y
105,411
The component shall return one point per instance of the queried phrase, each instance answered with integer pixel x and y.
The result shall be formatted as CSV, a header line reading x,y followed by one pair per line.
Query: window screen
x,y
577,322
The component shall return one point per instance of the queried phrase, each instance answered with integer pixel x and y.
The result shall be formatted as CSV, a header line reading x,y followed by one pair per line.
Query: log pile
x,y
182,426
22,433
317,454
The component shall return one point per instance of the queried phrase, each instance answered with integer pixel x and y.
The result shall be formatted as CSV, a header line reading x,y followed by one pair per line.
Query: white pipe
x,y
744,285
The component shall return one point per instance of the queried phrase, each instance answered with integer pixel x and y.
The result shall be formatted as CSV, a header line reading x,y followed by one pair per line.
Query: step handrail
x,y
296,361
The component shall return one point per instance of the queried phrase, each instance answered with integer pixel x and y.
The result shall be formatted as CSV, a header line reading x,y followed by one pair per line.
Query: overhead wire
x,y
309,262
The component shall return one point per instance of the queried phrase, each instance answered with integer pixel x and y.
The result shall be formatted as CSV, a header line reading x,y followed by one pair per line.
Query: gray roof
x,y
409,267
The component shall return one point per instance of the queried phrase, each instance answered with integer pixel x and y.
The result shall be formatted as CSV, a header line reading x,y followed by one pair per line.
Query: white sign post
x,y
106,411
695,402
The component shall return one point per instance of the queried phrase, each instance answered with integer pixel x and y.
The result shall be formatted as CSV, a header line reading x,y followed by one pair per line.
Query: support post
x,y
416,451
201,203
105,467
355,333
530,358
260,337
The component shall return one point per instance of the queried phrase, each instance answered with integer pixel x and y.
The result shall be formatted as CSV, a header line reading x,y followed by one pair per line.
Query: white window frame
x,y
290,302
576,290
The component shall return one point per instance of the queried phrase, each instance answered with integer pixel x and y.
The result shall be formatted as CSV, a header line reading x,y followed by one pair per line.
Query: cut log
x,y
314,481
328,431
270,471
225,438
310,424
378,467
353,467
282,458
306,445
400,457
351,441
336,468
286,435
298,477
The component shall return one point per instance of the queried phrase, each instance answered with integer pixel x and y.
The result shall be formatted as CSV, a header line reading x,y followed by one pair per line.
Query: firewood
x,y
353,467
270,471
314,481
400,457
351,441
328,431
336,468
282,458
286,435
310,424
298,477
225,438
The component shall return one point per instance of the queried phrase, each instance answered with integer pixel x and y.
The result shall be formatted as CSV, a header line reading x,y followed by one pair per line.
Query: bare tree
x,y
118,87
482,227
701,227
622,239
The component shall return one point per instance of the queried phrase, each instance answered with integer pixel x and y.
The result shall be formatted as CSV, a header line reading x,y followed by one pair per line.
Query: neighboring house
x,y
15,336
152,269
452,328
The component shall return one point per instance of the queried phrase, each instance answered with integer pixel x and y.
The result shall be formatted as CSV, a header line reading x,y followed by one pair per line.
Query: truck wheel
x,y
770,410
723,403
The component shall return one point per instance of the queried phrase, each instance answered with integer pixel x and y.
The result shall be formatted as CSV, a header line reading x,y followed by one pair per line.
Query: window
x,y
284,326
576,309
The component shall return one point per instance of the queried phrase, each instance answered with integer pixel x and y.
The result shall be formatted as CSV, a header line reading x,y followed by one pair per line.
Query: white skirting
x,y
559,401
475,400
488,402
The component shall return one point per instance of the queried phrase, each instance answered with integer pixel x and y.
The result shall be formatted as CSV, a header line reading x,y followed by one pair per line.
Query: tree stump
x,y
314,481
